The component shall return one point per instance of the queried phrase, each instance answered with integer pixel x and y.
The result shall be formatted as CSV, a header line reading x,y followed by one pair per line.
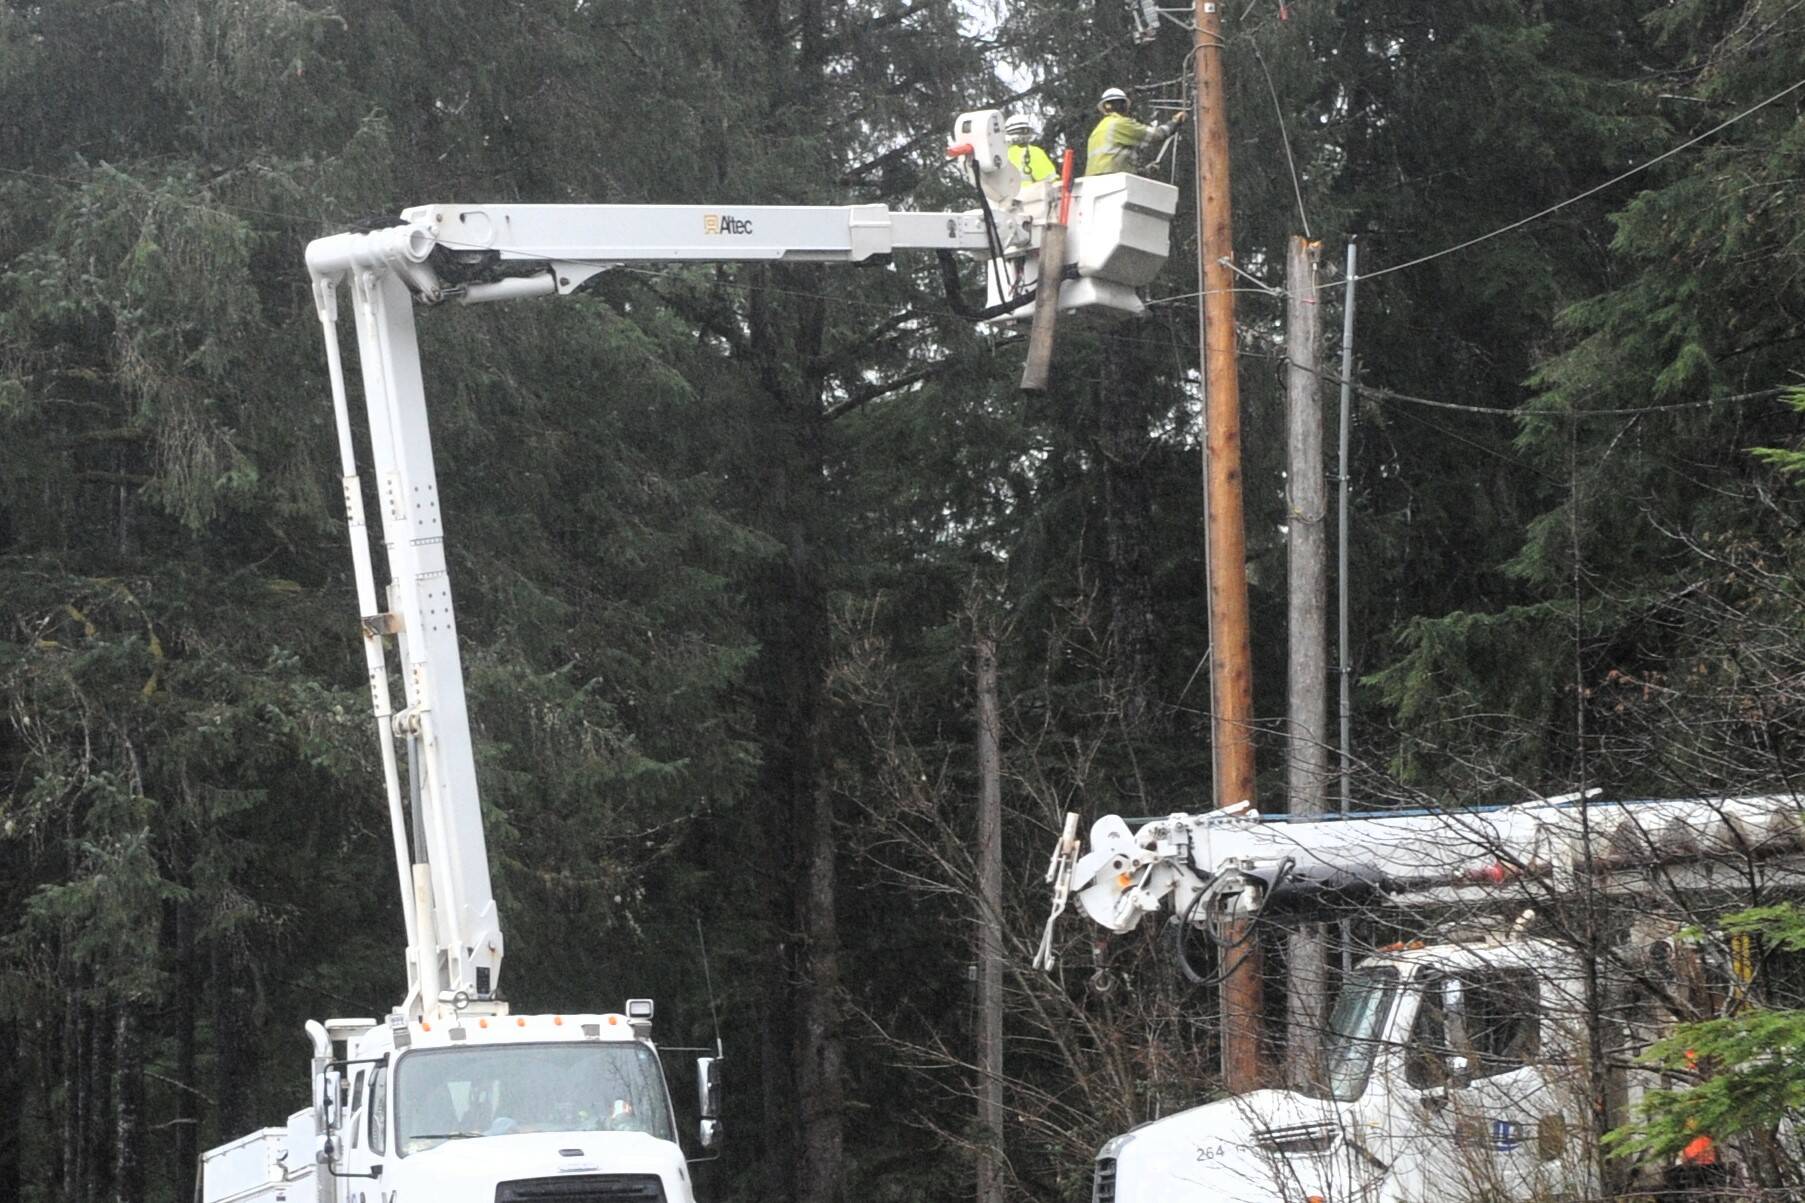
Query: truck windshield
x,y
1357,1029
457,1093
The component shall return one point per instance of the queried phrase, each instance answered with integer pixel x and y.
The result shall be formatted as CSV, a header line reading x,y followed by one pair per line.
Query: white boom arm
x,y
576,242
471,253
1232,863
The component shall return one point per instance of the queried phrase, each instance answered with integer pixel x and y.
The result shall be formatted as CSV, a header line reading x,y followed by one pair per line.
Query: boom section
x,y
576,242
454,934
624,233
1226,865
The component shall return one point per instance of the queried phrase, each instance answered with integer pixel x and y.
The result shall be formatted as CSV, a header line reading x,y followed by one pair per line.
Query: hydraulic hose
x,y
1182,958
955,294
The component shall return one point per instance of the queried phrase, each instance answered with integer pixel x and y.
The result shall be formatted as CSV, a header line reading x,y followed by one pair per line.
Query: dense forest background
x,y
723,538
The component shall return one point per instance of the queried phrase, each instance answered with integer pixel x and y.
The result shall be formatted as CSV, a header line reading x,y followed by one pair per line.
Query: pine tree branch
x,y
861,397
120,434
183,1086
848,355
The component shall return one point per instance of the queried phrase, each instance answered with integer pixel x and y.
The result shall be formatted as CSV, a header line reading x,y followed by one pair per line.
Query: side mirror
x,y
328,1089
710,1133
708,1088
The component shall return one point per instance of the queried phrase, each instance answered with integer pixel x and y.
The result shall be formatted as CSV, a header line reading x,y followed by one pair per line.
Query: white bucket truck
x,y
1464,1068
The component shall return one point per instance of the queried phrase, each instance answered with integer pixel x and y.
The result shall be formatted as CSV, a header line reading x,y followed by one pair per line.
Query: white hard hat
x,y
1015,121
1111,95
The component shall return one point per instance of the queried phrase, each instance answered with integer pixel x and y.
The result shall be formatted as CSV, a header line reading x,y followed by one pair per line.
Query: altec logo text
x,y
725,223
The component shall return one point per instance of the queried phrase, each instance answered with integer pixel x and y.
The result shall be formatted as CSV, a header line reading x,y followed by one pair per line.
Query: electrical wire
x,y
1384,394
1278,113
1593,191
1264,290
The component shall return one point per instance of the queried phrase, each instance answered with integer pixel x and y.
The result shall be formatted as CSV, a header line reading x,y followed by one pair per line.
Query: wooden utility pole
x,y
1231,671
990,929
1039,363
1307,662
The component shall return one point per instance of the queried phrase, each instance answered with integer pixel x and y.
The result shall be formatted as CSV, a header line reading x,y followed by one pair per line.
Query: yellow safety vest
x,y
1116,144
1032,162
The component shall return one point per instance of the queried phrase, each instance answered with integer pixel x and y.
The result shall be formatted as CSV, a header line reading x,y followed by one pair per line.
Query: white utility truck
x,y
450,1097
1455,1069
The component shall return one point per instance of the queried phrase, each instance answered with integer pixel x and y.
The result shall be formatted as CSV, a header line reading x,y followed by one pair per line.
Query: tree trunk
x,y
1128,516
821,1051
1307,727
777,1146
12,1114
128,1105
100,1117
791,480
228,1060
990,929
81,1085
52,1076
187,1112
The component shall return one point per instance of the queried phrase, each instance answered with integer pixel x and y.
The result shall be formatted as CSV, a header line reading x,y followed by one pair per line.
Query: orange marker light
x,y
424,1026
614,1021
1124,880
557,1021
482,1023
520,1023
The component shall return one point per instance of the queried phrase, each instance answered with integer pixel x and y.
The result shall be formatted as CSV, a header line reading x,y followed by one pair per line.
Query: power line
x,y
1385,394
1263,290
1278,113
1476,445
1593,191
1523,221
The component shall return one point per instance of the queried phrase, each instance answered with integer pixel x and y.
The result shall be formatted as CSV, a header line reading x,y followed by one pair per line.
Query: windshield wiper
x,y
442,1135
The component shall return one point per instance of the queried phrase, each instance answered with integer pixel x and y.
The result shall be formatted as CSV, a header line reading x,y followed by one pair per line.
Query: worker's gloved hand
x,y
1179,118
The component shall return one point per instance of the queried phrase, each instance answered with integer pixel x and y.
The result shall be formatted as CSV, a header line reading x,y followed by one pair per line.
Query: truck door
x,y
1507,1111
1491,1109
362,1139
354,1157
1428,1163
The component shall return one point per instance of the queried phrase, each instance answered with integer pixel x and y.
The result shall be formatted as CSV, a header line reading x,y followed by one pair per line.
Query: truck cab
x,y
1449,1072
484,1106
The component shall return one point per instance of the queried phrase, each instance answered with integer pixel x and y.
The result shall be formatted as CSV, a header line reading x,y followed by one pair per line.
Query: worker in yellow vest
x,y
1117,142
1029,159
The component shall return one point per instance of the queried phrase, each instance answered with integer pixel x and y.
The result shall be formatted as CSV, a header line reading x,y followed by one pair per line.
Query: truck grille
x,y
587,1188
1103,1189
